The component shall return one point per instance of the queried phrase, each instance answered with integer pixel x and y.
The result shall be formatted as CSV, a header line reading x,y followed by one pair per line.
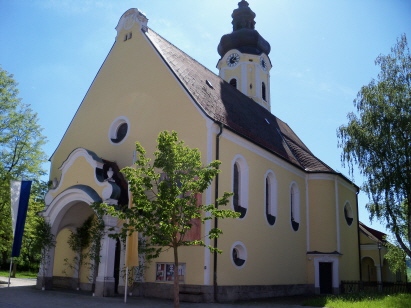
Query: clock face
x,y
233,59
263,63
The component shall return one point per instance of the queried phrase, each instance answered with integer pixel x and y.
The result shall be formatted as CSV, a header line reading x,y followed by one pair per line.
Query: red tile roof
x,y
372,233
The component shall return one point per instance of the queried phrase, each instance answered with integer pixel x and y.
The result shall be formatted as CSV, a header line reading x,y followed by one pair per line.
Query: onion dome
x,y
244,37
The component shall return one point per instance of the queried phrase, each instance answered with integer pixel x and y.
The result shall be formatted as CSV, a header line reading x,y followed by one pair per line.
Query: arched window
x,y
240,186
233,82
270,198
263,91
348,213
295,206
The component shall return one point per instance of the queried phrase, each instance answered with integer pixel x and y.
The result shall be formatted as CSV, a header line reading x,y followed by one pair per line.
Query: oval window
x,y
118,130
238,254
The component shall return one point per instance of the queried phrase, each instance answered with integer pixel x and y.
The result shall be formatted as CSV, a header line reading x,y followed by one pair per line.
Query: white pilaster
x,y
105,282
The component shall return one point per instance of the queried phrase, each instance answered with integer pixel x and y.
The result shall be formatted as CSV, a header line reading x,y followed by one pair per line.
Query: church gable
x,y
128,92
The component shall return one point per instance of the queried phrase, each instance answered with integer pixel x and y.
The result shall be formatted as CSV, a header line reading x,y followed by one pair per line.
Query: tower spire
x,y
244,61
244,36
243,17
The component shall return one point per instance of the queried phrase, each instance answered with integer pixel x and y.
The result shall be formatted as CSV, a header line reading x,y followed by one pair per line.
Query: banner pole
x,y
125,288
11,264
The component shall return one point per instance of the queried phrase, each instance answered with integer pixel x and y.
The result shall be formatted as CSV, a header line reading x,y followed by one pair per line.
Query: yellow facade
x,y
138,85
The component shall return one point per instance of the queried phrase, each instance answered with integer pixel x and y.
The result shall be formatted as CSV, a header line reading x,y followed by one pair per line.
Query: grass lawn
x,y
20,274
362,300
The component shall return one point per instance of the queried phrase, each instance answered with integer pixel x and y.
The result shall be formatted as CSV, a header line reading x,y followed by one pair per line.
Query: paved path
x,y
23,294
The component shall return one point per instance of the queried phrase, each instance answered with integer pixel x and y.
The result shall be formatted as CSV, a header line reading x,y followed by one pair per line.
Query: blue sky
x,y
322,52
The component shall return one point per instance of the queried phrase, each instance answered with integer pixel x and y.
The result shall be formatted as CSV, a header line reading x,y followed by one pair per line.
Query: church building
x,y
298,232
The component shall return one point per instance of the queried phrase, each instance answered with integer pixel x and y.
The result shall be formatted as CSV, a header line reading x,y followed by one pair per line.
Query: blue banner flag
x,y
20,195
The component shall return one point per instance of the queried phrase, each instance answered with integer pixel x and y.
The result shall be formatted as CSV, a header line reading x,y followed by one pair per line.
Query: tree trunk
x,y
176,280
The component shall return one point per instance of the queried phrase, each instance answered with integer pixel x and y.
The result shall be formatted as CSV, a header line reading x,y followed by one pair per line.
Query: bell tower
x,y
244,61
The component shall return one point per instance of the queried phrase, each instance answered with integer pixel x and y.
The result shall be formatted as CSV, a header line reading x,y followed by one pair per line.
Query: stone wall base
x,y
48,283
188,293
205,294
63,282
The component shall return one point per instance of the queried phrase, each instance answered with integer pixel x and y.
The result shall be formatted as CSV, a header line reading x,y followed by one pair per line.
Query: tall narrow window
x,y
233,82
236,187
263,91
240,186
270,198
295,206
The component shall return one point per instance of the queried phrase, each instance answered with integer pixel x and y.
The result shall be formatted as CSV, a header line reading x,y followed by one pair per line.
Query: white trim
x,y
335,272
62,203
273,210
347,202
243,178
363,257
296,206
112,132
307,213
208,196
236,81
331,177
258,91
244,79
77,153
337,214
268,92
373,247
262,152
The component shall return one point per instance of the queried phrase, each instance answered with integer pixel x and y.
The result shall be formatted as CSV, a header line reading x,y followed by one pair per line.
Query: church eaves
x,y
237,112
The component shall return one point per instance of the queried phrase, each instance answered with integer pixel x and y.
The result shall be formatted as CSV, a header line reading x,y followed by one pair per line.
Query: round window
x,y
118,130
238,254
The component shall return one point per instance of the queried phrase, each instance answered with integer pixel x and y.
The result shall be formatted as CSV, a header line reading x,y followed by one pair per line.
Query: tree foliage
x,y
396,258
78,242
378,140
86,243
165,198
21,156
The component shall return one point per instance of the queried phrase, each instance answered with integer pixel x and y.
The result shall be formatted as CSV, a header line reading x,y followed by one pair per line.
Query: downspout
x,y
217,157
358,234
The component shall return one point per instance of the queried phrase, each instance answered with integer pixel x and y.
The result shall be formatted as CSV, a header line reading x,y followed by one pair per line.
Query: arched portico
x,y
68,211
370,269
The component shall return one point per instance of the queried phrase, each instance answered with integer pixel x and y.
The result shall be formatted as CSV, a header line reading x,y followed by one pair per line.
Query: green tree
x,y
21,156
378,140
396,258
164,197
79,241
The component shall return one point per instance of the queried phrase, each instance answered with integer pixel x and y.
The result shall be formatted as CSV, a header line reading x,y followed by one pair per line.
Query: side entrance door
x,y
326,277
